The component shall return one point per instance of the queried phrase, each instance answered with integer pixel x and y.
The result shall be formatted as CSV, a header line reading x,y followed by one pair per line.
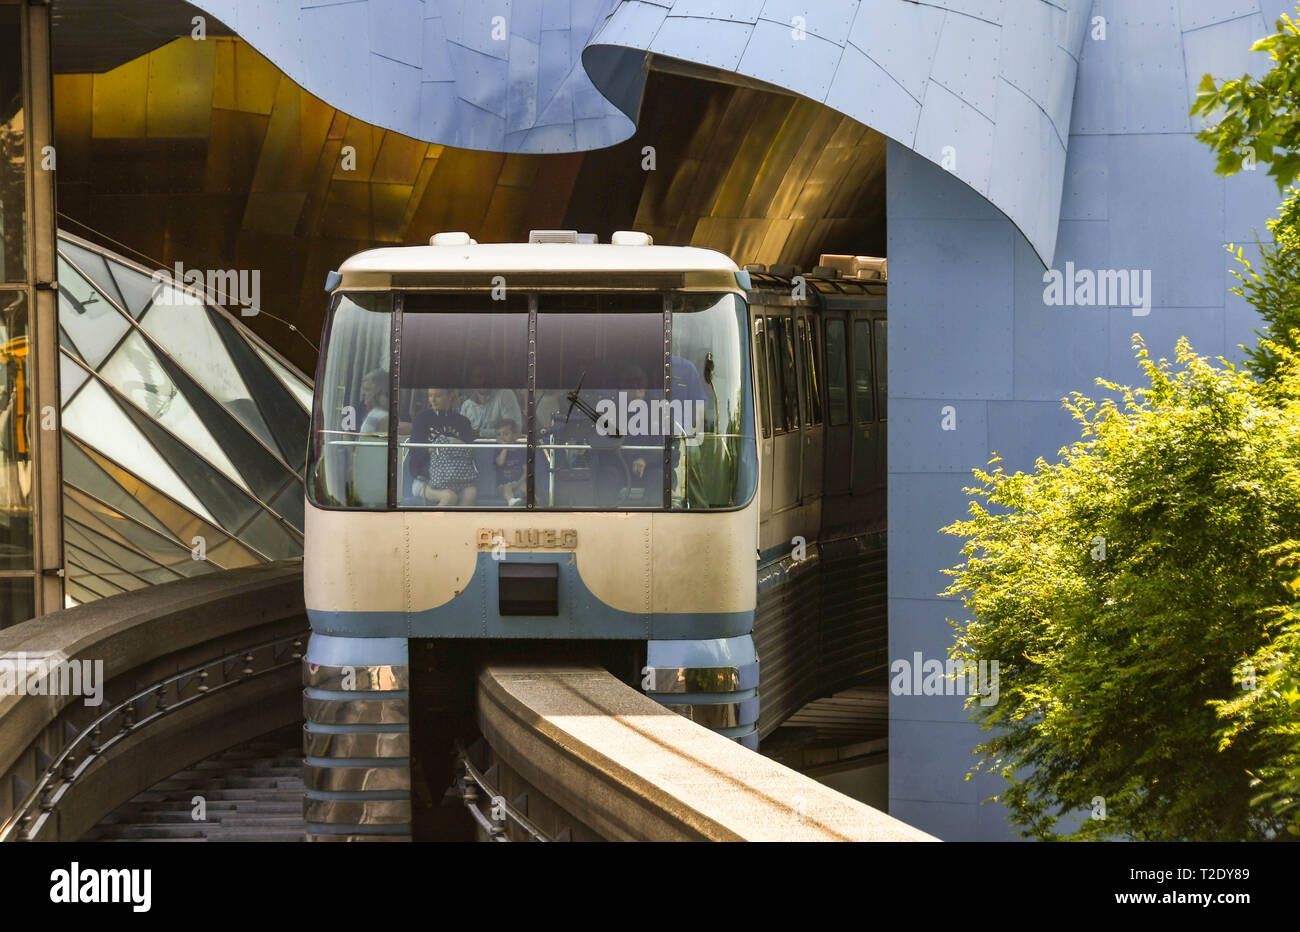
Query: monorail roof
x,y
550,257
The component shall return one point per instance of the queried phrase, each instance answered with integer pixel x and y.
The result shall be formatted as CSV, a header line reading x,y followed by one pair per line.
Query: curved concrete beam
x,y
983,88
503,76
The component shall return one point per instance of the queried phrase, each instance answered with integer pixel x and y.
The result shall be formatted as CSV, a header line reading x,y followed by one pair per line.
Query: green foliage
x,y
1121,588
1258,120
1274,288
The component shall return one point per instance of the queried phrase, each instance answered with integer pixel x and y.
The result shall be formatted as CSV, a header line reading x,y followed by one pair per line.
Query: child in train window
x,y
509,464
443,474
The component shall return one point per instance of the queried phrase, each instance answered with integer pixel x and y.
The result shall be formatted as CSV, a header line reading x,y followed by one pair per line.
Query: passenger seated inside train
x,y
485,406
511,484
374,395
442,474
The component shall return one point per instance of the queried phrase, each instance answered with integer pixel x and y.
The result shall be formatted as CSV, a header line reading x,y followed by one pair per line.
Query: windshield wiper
x,y
575,401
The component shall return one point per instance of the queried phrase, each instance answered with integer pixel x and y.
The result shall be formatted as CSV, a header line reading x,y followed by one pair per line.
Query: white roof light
x,y
631,238
451,239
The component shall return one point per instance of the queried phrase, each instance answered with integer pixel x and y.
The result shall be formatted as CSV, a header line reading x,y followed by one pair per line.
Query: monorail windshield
x,y
424,402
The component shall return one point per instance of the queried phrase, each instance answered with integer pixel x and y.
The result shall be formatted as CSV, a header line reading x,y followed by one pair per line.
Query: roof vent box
x,y
561,236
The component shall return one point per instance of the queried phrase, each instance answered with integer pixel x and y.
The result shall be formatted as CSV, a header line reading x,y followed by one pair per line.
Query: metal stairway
x,y
252,792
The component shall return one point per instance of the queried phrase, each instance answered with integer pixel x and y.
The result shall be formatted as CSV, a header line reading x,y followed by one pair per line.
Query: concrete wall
x,y
970,329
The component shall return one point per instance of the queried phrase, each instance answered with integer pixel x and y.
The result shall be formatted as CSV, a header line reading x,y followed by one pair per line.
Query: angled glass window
x,y
135,372
81,472
285,418
179,323
95,418
300,390
136,288
92,322
71,376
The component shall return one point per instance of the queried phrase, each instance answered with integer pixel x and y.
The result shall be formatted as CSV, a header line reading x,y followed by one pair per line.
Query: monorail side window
x,y
812,384
837,373
760,364
349,446
862,386
713,457
882,367
790,375
775,388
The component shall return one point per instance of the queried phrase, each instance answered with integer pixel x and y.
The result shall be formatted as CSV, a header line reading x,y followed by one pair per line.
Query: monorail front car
x,y
552,450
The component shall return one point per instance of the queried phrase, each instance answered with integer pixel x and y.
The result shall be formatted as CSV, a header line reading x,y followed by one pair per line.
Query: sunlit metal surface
x,y
364,744
983,90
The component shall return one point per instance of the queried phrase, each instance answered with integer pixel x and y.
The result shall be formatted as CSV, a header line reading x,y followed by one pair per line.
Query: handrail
x,y
156,652
23,824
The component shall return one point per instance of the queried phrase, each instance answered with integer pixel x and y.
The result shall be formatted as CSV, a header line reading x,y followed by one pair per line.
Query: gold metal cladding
x,y
544,280
395,744
721,715
356,677
357,811
356,779
356,711
699,679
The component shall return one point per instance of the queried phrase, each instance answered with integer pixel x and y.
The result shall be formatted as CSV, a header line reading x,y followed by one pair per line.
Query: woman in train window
x,y
374,395
443,476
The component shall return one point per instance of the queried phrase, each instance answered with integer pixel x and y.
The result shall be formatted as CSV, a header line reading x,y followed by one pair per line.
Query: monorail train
x,y
631,454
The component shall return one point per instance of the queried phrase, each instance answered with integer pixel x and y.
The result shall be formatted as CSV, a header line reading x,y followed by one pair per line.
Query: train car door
x,y
838,466
764,389
787,458
814,452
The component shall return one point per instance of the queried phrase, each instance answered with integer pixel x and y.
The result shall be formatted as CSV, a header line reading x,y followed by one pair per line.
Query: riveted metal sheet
x,y
1143,48
900,38
967,61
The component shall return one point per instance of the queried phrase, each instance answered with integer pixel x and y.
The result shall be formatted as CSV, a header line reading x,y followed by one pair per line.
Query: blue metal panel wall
x,y
443,70
970,328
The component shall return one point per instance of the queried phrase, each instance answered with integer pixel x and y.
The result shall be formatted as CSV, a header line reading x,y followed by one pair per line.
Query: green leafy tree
x,y
1258,120
1121,590
1273,287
